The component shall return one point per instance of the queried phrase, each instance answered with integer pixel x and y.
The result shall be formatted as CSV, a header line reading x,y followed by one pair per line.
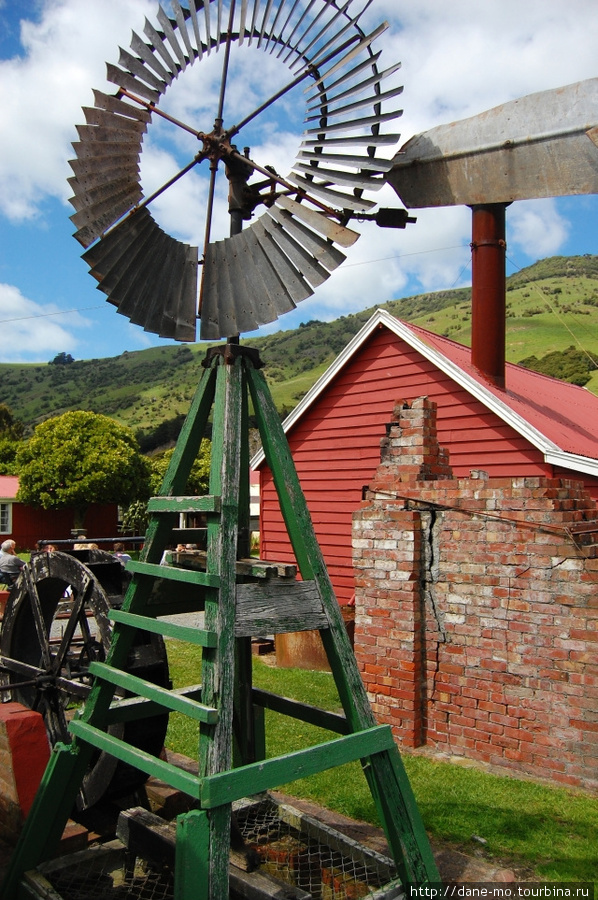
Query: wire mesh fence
x,y
293,848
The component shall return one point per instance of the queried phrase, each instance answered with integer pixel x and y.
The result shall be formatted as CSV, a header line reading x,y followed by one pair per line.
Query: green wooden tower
x,y
238,602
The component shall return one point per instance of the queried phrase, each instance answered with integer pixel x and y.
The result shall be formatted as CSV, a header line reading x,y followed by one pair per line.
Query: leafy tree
x,y
8,456
135,517
571,365
197,483
62,359
81,458
11,436
10,428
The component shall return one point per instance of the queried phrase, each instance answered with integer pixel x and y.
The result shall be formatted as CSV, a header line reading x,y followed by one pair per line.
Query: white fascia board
x,y
553,454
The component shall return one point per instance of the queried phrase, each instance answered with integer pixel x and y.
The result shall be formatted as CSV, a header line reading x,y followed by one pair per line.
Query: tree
x,y
10,428
197,483
62,359
81,458
135,517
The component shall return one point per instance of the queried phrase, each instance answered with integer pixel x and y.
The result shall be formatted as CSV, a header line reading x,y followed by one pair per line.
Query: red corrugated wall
x,y
336,445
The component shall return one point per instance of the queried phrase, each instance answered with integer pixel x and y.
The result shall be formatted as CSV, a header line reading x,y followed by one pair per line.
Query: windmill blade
x,y
256,276
346,237
171,37
157,44
144,52
357,104
134,65
342,159
149,276
196,30
542,145
179,15
335,198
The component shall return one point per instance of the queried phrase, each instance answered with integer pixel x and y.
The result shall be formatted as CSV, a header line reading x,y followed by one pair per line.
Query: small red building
x,y
462,519
535,426
26,525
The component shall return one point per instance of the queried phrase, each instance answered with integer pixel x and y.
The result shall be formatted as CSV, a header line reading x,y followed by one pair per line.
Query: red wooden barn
x,y
535,426
27,525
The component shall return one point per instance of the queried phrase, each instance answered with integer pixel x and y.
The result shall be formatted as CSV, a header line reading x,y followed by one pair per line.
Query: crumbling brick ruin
x,y
476,626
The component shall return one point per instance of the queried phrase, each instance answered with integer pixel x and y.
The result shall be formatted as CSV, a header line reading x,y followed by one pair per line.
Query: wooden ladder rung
x,y
189,576
151,691
131,709
139,759
265,775
198,636
209,503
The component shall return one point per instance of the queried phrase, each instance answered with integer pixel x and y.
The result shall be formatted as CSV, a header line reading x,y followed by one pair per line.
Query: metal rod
x,y
225,64
22,684
197,159
152,108
309,71
291,187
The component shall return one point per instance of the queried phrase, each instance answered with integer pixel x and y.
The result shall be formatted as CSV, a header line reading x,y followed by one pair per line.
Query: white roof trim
x,y
553,454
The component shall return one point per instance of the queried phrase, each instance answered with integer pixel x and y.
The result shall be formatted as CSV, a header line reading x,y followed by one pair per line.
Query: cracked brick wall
x,y
476,608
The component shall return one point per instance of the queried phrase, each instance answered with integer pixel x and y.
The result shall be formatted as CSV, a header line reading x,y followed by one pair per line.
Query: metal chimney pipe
x,y
488,291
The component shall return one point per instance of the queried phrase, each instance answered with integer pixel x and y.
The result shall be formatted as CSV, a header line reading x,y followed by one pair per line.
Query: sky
x,y
458,59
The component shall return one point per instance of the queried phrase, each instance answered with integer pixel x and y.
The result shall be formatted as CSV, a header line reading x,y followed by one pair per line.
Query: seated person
x,y
119,553
10,564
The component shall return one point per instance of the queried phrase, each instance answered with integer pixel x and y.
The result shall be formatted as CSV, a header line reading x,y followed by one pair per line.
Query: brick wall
x,y
476,626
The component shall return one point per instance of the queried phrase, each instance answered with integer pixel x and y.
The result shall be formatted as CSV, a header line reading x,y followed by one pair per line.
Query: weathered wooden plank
x,y
205,579
305,712
218,670
197,636
225,787
134,708
246,567
168,699
207,503
278,607
261,886
177,778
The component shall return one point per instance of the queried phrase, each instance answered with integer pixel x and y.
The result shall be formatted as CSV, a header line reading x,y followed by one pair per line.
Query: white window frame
x,y
6,516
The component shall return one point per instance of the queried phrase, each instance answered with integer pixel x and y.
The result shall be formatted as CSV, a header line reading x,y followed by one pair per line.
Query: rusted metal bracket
x,y
231,352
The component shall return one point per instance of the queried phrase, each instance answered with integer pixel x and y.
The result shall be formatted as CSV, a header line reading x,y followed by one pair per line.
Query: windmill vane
x,y
296,223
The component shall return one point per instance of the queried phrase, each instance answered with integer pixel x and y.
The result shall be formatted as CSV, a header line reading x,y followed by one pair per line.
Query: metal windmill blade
x,y
293,246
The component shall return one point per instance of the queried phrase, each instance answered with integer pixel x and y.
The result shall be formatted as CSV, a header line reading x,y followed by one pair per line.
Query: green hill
x,y
552,309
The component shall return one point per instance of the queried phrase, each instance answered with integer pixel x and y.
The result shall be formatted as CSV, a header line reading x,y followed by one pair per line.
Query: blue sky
x,y
458,59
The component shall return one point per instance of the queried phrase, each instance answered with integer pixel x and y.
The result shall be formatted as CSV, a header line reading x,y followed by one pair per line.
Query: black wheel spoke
x,y
77,611
39,622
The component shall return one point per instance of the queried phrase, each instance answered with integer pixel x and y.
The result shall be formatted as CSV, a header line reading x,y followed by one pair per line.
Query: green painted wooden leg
x,y
49,814
191,873
386,777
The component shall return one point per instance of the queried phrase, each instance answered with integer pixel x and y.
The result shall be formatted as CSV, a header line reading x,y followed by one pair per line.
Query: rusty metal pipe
x,y
488,293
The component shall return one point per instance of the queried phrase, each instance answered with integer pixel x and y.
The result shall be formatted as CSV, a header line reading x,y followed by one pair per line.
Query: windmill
x,y
233,285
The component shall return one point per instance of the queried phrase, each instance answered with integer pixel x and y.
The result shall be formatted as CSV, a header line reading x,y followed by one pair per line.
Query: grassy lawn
x,y
553,831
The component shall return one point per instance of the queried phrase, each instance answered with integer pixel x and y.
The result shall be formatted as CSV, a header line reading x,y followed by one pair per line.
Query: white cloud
x,y
29,330
536,228
43,91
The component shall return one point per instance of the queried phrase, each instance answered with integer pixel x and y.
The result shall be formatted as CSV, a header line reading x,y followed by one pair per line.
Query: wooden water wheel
x,y
55,624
